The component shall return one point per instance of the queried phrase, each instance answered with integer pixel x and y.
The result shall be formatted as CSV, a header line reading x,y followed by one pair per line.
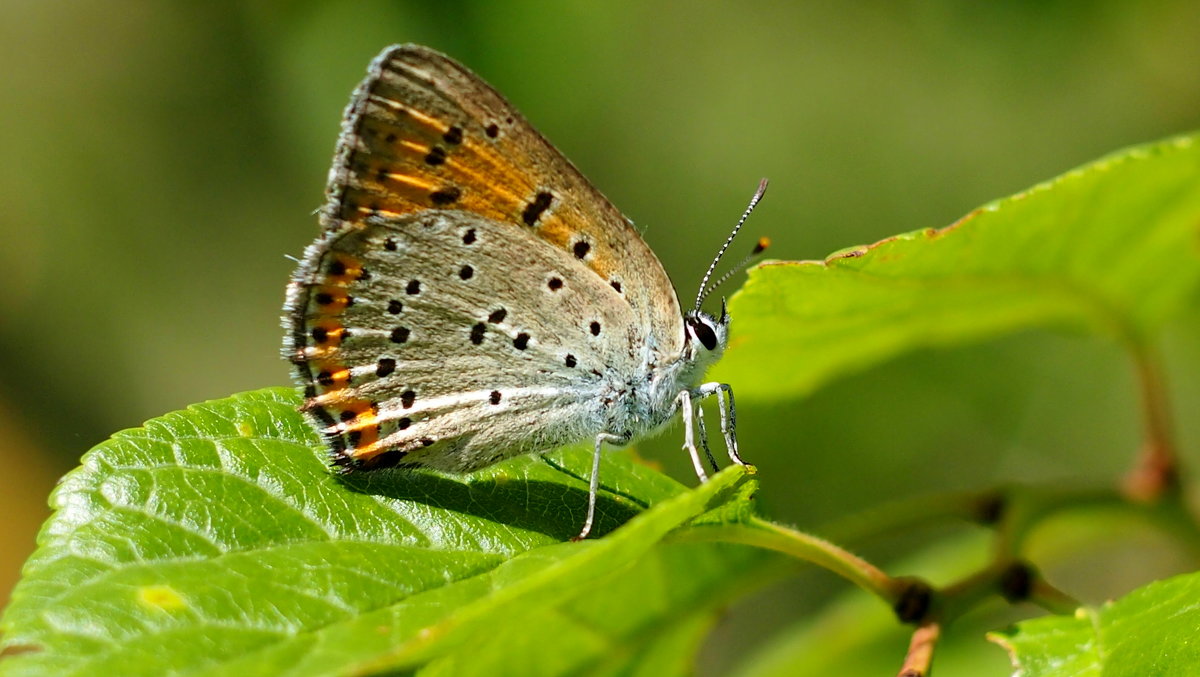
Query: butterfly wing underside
x,y
423,132
429,347
471,288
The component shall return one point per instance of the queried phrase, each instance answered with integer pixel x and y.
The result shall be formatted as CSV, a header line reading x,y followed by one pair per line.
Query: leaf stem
x,y
1157,469
762,533
1051,598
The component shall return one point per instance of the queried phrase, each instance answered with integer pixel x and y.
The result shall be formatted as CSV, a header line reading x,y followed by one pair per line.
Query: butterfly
x,y
472,297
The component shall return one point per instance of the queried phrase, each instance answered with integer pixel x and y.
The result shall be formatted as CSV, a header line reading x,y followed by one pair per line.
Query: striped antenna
x,y
704,288
759,247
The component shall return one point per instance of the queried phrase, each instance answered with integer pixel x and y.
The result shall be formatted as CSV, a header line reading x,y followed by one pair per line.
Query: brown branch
x,y
920,651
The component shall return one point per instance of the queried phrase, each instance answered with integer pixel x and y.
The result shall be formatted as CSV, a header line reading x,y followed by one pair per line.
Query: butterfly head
x,y
706,335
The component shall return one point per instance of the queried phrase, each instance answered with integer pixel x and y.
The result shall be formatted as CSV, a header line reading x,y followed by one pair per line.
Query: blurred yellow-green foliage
x,y
161,160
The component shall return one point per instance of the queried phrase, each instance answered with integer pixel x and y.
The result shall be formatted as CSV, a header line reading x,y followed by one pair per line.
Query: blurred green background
x,y
161,160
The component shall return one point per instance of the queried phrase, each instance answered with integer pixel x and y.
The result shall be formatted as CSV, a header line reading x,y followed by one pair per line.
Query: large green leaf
x,y
644,618
1151,631
1110,247
215,541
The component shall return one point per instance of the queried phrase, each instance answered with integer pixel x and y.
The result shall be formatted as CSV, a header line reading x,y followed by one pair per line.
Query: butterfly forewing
x,y
423,132
473,297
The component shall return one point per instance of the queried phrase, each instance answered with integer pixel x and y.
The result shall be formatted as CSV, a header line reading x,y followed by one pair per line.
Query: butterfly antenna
x,y
704,288
759,247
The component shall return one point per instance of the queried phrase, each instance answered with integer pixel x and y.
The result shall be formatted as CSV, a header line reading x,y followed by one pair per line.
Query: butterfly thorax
x,y
645,403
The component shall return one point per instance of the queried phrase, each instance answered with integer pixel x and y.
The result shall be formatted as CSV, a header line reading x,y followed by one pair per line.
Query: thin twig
x,y
1052,599
1157,469
920,651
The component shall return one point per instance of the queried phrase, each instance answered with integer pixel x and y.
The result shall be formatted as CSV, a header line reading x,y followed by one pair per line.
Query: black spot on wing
x,y
445,196
536,207
436,156
385,367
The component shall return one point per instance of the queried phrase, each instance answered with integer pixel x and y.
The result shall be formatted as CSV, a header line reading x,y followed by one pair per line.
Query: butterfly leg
x,y
728,416
684,402
594,483
703,434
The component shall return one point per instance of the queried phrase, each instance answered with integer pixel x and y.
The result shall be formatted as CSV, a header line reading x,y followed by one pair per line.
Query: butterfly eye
x,y
704,334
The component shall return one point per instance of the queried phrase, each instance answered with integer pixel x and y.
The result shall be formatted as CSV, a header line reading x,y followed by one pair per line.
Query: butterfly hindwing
x,y
423,343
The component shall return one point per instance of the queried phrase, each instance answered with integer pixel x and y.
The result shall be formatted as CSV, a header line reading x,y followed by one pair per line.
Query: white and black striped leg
x,y
703,434
729,409
594,483
728,413
684,402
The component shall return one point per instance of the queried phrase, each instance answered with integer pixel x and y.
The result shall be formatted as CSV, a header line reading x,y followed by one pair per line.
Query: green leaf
x,y
1111,247
644,618
1151,631
214,540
